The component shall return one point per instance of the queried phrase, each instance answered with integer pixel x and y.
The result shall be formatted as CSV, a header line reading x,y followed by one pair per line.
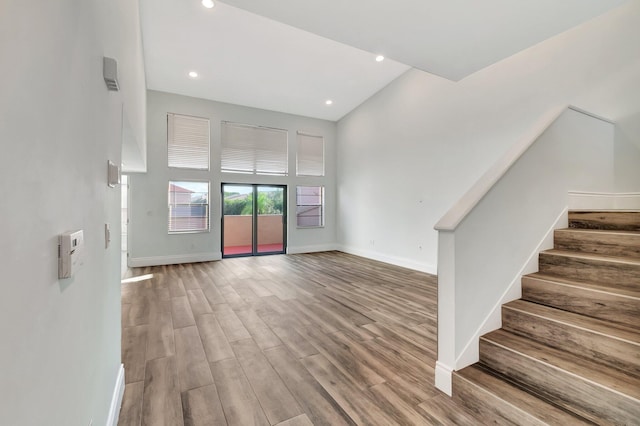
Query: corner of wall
x,y
444,376
116,399
446,311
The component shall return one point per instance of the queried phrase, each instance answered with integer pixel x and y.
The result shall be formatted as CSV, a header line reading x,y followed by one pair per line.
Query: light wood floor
x,y
323,339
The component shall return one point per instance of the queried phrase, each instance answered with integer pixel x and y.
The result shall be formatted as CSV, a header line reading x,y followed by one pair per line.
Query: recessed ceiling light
x,y
207,3
379,58
328,102
193,74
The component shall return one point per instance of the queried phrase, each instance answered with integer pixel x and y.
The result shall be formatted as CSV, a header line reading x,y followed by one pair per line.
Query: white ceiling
x,y
449,38
246,59
292,55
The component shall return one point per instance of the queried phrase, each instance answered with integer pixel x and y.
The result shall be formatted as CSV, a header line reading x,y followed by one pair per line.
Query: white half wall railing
x,y
492,236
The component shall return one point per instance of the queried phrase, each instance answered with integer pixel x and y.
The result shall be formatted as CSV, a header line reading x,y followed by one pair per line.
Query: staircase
x,y
568,352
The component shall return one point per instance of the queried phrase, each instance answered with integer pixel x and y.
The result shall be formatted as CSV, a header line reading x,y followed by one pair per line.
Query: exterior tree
x,y
268,203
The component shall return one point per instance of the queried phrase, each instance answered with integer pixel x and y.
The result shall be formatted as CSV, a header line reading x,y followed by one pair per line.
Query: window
x,y
188,142
310,206
253,149
188,206
310,161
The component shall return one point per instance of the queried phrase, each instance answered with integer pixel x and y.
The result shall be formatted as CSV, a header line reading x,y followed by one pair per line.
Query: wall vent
x,y
110,73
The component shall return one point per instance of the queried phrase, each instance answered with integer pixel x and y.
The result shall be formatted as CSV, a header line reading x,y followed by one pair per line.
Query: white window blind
x,y
188,206
253,149
310,161
188,141
310,206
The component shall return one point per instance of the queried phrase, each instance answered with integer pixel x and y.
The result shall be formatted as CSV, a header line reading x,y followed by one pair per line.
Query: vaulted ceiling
x,y
294,55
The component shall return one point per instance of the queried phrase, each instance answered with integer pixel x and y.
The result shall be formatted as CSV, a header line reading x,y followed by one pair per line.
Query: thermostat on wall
x,y
70,253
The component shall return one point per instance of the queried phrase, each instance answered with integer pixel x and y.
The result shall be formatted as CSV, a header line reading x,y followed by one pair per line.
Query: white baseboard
x,y
311,248
604,201
398,261
443,378
137,262
493,321
116,399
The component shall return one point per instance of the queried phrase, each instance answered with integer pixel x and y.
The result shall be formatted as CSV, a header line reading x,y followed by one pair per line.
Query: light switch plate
x,y
113,174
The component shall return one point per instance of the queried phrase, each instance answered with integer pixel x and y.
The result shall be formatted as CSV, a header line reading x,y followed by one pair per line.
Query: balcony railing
x,y
238,232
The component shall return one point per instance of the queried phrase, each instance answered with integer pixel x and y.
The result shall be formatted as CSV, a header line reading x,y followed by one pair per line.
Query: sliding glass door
x,y
270,215
253,219
237,220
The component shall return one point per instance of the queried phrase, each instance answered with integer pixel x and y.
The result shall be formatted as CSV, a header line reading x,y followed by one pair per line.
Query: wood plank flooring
x,y
313,339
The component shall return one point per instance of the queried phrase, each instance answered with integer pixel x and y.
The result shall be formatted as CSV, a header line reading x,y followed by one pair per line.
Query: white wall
x,y
409,153
150,242
60,352
123,40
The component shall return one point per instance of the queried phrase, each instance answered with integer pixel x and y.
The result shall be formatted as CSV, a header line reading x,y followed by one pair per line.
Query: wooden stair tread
x,y
617,291
582,211
605,219
616,304
596,373
613,330
597,268
625,232
528,406
597,241
606,342
593,256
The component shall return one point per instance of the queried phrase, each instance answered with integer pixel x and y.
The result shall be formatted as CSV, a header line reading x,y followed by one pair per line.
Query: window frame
x,y
321,205
175,182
